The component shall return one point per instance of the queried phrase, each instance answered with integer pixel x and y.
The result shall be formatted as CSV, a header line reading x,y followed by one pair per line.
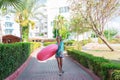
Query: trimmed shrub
x,y
84,42
48,43
34,45
100,41
69,47
108,69
12,56
115,40
116,75
69,43
100,66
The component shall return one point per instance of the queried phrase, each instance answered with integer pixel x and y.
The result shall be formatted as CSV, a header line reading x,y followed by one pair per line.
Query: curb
x,y
85,69
15,74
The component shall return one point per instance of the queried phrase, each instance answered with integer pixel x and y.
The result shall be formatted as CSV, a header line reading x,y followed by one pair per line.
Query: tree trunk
x,y
25,33
56,32
77,41
20,19
21,33
106,42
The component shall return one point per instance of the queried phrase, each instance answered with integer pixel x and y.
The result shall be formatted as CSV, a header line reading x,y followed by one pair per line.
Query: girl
x,y
59,54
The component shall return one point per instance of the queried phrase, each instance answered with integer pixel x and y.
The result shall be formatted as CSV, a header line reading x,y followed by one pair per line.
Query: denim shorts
x,y
60,55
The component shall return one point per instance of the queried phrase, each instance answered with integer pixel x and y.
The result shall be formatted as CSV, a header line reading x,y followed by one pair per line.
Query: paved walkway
x,y
48,70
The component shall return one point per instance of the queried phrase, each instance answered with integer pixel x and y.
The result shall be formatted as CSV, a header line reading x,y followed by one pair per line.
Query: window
x,y
31,34
64,9
52,23
36,27
45,22
45,33
45,26
8,24
36,34
8,31
7,18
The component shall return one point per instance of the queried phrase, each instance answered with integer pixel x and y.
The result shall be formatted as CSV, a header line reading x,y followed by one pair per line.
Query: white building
x,y
44,27
9,26
0,29
55,8
41,29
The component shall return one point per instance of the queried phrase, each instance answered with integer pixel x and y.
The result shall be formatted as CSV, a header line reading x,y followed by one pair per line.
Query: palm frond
x,y
7,3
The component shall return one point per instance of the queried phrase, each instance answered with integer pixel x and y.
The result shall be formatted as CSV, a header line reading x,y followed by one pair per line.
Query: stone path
x,y
48,70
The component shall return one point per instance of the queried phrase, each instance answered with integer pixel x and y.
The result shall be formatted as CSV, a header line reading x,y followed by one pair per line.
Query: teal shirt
x,y
60,48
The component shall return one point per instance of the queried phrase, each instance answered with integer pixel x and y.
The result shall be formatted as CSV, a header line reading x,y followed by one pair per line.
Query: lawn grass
x,y
103,51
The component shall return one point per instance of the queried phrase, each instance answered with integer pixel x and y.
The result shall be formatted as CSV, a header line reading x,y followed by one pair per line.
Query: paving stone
x,y
48,70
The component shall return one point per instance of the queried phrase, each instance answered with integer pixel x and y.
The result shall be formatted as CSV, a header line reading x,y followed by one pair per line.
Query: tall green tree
x,y
60,27
110,33
78,27
25,15
96,13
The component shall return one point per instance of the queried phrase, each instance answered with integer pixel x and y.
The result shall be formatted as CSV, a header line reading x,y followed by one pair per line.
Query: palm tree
x,y
4,4
59,25
7,3
24,16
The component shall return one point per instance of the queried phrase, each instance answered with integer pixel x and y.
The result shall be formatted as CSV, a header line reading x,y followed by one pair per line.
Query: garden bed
x,y
104,68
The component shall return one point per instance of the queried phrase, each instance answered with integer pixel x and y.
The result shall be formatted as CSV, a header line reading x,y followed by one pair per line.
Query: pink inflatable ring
x,y
47,52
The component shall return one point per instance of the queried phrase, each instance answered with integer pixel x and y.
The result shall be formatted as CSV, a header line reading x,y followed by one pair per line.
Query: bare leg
x,y
61,62
59,65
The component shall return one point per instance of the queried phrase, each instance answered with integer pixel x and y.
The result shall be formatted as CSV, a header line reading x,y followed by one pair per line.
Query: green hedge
x,y
69,43
100,66
48,43
34,45
72,42
116,75
12,56
115,41
84,42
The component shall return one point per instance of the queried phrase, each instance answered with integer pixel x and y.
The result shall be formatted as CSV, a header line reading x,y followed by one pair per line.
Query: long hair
x,y
59,37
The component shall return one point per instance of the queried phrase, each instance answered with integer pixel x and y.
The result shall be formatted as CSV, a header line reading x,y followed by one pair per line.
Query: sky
x,y
43,1
115,23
